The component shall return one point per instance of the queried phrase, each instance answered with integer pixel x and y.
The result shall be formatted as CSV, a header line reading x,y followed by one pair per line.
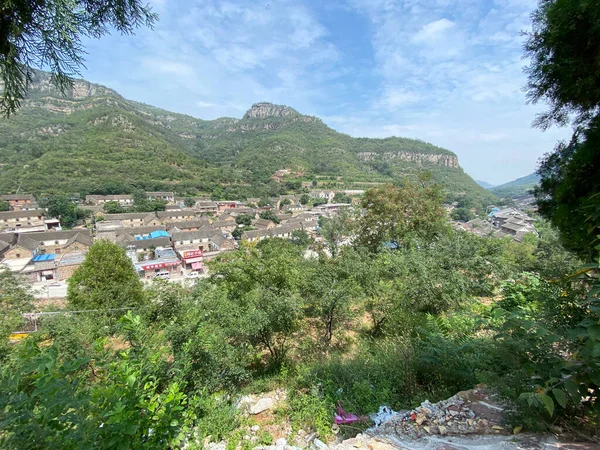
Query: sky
x,y
449,72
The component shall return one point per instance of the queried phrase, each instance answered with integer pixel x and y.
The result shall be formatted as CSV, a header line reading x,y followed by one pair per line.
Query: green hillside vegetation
x,y
93,140
515,188
440,312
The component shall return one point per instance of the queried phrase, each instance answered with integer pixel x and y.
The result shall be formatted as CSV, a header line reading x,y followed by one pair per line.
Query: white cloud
x,y
433,31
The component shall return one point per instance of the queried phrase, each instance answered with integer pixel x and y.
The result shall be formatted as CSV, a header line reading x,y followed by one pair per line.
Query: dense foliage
x,y
437,312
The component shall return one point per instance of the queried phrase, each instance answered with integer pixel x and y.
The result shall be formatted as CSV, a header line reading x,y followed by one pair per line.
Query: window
x,y
18,255
58,250
55,242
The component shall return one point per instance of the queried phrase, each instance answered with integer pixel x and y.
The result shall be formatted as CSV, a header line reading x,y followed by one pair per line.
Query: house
x,y
206,206
283,217
239,210
331,207
224,225
176,216
122,199
326,195
226,216
220,243
143,219
143,246
168,197
23,248
18,219
263,224
193,240
165,260
225,205
188,225
18,201
4,248
253,200
41,268
68,264
60,242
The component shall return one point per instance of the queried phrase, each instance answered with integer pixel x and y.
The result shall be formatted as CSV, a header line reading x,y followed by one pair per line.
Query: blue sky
x,y
445,71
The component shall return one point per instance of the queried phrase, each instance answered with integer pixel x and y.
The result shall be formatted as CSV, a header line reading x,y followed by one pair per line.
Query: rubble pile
x,y
468,412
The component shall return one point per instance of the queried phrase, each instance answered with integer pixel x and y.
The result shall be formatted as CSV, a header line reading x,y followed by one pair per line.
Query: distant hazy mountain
x,y
520,186
484,184
94,140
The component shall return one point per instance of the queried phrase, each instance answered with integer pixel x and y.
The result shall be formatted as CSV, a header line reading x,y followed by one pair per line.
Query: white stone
x,y
255,428
263,404
281,442
319,444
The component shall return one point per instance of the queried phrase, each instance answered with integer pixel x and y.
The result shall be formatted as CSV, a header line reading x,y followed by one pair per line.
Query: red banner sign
x,y
160,265
192,254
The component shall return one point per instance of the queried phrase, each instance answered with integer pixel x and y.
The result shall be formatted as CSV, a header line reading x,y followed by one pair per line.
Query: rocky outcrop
x,y
266,110
440,159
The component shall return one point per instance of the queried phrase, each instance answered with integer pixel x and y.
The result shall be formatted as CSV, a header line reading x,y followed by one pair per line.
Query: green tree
x,y
330,289
107,399
4,206
462,214
64,209
335,228
244,219
341,197
189,202
319,201
50,35
395,215
301,238
113,207
259,302
269,215
284,202
304,199
105,280
15,299
563,47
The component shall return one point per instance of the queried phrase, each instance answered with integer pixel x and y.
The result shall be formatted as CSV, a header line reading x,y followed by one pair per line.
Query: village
x,y
175,243
171,244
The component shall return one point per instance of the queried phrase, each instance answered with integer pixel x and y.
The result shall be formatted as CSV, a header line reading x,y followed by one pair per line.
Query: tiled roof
x,y
19,214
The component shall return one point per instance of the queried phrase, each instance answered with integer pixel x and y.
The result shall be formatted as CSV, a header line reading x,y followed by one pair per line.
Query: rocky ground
x,y
469,420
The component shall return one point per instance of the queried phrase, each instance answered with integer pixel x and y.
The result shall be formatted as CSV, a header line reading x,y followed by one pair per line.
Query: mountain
x,y
92,140
518,187
484,184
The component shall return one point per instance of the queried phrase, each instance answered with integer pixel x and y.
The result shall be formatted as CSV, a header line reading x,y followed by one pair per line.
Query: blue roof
x,y
159,233
48,257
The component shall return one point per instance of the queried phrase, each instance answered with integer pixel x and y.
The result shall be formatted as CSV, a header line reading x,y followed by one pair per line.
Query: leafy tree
x,y
564,73
113,207
284,202
269,215
4,206
462,214
304,199
341,197
395,215
563,48
64,209
107,399
189,202
105,280
301,238
262,203
333,229
331,288
15,299
259,302
319,201
314,183
59,46
244,219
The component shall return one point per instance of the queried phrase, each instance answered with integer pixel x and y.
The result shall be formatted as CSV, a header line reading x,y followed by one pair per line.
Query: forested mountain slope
x,y
94,140
520,186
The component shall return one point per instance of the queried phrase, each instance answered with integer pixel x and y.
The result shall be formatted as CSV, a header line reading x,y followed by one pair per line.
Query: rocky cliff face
x,y
419,158
81,89
267,110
